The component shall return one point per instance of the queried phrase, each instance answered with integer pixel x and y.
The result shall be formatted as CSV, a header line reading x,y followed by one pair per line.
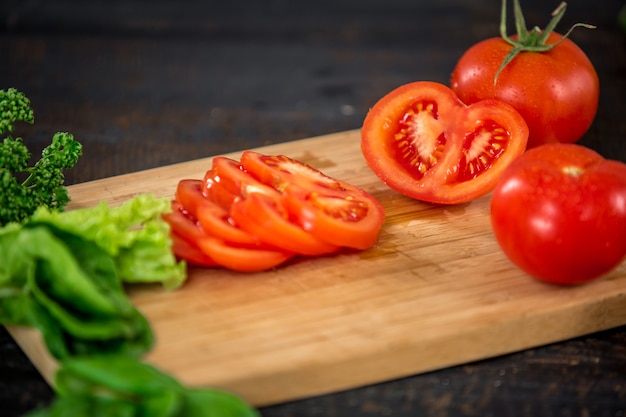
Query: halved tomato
x,y
423,142
266,218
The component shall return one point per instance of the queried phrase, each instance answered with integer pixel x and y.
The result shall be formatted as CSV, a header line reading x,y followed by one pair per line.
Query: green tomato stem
x,y
533,40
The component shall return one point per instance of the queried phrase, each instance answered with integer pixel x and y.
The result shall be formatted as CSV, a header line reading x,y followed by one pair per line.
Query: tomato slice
x,y
214,189
423,142
353,220
217,223
281,171
214,219
255,219
193,244
267,219
229,176
242,259
190,253
331,210
189,195
182,224
184,231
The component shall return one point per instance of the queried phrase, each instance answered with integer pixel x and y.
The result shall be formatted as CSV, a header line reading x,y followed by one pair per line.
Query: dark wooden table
x,y
147,83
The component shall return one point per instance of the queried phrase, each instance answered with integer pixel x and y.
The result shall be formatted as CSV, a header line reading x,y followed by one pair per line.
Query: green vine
x,y
533,40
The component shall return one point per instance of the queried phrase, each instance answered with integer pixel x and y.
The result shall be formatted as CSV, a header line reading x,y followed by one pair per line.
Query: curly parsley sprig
x,y
44,181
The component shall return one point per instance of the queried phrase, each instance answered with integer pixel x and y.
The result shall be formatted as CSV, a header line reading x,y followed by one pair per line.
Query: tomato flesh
x,y
352,221
213,218
266,218
329,209
423,142
420,140
218,192
182,224
203,235
228,180
281,172
559,213
184,232
482,147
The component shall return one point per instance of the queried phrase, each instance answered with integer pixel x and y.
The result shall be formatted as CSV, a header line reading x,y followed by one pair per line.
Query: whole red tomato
x,y
559,213
556,90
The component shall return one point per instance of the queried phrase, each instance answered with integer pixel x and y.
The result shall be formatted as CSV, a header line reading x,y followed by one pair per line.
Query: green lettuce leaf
x,y
64,273
134,234
68,288
124,386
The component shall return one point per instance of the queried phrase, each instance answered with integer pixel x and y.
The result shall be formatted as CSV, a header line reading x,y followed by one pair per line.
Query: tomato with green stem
x,y
544,75
423,142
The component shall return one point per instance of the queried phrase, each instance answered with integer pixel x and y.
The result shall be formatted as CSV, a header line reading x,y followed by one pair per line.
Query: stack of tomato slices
x,y
256,213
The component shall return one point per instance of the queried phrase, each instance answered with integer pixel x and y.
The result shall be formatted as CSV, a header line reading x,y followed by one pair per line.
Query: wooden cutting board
x,y
436,291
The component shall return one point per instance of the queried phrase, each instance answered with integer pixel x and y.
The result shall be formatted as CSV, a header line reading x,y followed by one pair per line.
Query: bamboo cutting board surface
x,y
436,291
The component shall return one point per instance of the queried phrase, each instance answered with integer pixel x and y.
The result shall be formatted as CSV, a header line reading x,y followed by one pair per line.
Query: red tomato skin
x,y
556,92
558,227
242,259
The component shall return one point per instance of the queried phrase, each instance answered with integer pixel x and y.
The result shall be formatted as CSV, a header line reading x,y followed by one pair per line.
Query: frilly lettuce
x,y
134,234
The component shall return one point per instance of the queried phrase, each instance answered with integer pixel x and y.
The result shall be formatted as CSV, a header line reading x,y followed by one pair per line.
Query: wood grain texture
x,y
435,291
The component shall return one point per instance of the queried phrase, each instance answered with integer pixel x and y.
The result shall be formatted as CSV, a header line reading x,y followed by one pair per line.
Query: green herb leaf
x,y
120,385
77,303
25,188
